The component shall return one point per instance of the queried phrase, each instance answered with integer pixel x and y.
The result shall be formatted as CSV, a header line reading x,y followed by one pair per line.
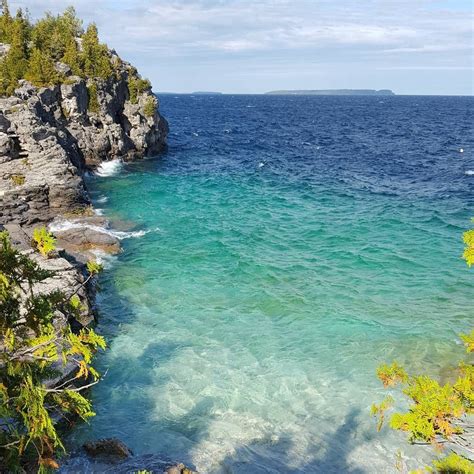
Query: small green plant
x,y
17,179
150,107
92,98
93,267
137,86
452,464
44,241
81,211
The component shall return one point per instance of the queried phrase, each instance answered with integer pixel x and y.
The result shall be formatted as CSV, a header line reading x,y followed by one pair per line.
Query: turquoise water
x,y
246,325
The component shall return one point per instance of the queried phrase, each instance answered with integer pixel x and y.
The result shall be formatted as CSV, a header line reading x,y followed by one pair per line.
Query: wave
x,y
103,258
102,199
469,172
61,225
109,168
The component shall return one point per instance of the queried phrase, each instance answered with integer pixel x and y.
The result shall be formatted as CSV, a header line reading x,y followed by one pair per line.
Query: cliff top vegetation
x,y
34,50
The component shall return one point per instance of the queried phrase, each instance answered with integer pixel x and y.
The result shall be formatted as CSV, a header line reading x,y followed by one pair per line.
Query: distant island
x,y
333,92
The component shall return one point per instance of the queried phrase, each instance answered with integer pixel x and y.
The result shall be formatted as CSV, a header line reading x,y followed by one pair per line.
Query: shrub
x,y
18,179
92,98
137,86
44,241
149,108
32,347
435,410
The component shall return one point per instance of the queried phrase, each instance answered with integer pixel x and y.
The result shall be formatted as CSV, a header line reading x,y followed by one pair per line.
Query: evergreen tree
x,y
32,345
34,49
72,58
5,23
41,71
95,55
16,60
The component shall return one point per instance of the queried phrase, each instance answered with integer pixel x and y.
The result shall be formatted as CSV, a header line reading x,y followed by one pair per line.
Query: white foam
x,y
109,168
469,172
103,258
60,225
98,211
102,199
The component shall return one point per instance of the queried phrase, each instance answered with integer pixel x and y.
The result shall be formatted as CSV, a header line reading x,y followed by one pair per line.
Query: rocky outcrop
x,y
110,455
50,136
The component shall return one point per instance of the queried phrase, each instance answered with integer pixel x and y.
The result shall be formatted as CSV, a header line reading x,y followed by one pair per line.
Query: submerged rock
x,y
113,456
108,447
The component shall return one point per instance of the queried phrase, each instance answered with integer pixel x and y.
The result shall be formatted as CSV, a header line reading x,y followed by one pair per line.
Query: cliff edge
x,y
50,136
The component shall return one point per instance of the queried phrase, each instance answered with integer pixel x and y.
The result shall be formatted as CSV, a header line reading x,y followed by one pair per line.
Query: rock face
x,y
49,137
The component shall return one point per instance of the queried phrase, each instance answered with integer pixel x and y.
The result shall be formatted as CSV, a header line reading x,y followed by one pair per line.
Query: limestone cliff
x,y
50,136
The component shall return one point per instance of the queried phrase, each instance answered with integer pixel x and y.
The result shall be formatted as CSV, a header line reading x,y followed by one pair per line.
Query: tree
x,y
72,58
5,23
41,71
34,347
95,56
14,64
436,413
35,48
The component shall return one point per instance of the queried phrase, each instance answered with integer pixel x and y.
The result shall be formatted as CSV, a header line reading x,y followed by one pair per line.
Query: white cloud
x,y
366,34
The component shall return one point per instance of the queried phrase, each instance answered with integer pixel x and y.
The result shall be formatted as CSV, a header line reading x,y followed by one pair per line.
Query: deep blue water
x,y
293,244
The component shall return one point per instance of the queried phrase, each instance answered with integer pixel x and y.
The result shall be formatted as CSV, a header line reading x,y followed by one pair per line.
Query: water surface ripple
x,y
294,244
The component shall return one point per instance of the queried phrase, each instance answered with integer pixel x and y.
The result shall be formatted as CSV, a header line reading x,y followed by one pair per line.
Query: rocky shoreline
x,y
49,139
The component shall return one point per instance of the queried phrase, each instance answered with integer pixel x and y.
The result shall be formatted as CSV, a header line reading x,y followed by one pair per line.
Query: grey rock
x,y
63,69
107,447
4,48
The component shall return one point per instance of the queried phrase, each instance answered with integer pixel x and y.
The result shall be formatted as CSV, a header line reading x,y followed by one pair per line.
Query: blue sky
x,y
245,46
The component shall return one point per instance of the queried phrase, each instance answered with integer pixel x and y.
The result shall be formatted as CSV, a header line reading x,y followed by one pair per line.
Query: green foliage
x,y
95,56
72,57
92,98
18,179
391,374
14,64
435,410
468,340
468,254
150,107
36,47
453,464
41,71
137,86
44,241
94,267
379,410
31,345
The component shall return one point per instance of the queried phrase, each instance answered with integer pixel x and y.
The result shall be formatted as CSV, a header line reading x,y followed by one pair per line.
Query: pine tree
x,y
95,55
41,71
15,62
5,23
72,58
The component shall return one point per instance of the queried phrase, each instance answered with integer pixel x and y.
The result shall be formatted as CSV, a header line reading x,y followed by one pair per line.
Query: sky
x,y
254,46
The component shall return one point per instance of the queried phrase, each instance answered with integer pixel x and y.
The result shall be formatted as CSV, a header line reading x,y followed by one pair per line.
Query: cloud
x,y
372,32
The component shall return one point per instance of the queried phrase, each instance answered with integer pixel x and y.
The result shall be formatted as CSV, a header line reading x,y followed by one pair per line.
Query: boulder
x,y
110,448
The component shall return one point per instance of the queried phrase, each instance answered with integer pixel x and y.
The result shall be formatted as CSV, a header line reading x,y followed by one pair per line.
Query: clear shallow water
x,y
294,244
